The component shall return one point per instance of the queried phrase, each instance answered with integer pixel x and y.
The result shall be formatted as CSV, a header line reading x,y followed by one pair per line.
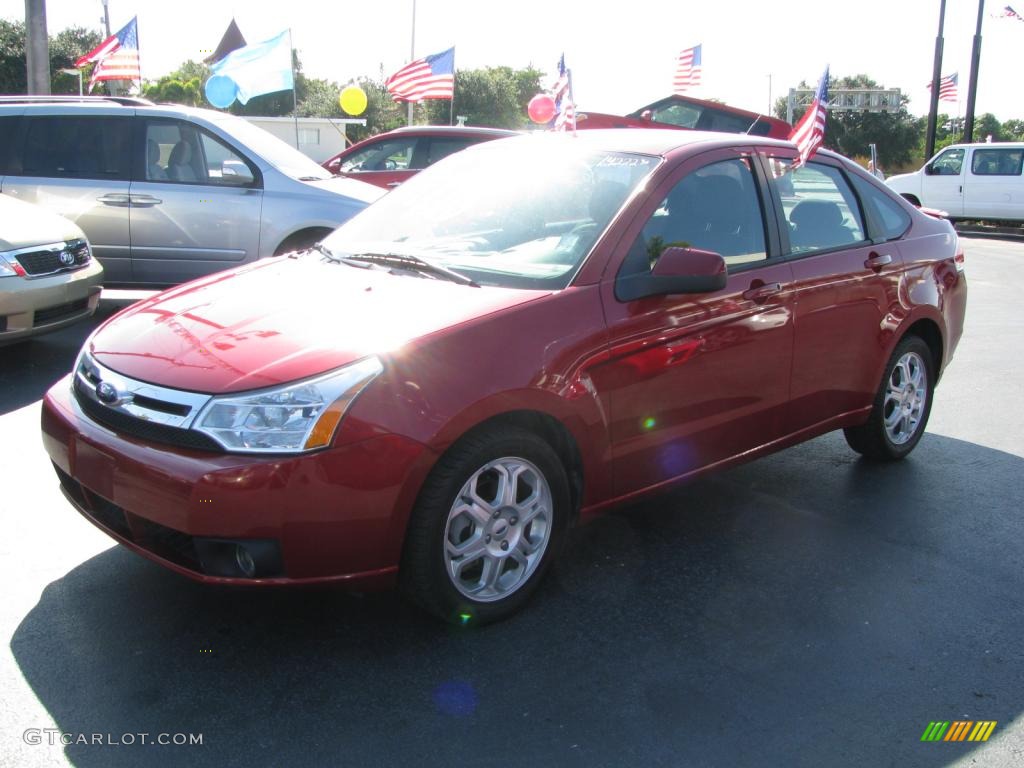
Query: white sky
x,y
622,54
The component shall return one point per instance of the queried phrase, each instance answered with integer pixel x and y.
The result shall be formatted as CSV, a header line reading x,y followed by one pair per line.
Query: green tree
x,y
492,96
182,86
1013,130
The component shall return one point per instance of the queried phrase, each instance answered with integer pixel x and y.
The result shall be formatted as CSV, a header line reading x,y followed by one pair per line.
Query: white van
x,y
969,181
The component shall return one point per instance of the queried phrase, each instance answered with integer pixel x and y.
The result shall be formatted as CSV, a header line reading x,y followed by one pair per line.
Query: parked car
x,y
677,111
48,278
517,339
388,159
168,193
969,181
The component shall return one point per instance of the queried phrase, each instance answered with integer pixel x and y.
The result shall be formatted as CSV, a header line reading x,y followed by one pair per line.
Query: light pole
x,y
74,72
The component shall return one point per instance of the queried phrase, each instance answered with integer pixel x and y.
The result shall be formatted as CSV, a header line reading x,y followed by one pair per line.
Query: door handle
x,y
394,183
878,260
114,199
761,292
144,201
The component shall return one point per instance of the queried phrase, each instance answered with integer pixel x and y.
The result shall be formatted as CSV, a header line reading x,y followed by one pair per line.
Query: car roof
x,y
656,141
449,130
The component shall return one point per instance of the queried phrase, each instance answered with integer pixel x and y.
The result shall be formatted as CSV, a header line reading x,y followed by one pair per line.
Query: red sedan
x,y
517,339
388,159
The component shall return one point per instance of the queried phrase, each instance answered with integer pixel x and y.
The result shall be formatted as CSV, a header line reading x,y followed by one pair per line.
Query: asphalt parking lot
x,y
808,609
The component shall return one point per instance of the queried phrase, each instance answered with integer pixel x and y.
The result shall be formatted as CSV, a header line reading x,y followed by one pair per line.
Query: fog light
x,y
244,561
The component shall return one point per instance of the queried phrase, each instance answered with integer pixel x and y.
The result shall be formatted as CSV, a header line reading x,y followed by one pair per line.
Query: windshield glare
x,y
279,154
517,213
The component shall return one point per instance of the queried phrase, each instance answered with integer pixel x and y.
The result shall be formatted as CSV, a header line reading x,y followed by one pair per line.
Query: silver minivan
x,y
167,193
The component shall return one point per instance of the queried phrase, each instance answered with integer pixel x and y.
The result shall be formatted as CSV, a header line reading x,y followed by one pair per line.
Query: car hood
x,y
26,225
353,188
283,319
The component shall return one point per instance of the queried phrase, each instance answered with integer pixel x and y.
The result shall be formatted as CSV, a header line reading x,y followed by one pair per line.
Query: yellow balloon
x,y
353,100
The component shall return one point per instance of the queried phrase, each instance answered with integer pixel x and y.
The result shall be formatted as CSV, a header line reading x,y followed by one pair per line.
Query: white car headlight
x,y
292,418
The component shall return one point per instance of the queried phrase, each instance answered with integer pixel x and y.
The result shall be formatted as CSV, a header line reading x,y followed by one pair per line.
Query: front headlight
x,y
289,419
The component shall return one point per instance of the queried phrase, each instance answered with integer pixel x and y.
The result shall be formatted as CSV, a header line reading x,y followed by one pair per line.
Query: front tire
x,y
902,405
486,527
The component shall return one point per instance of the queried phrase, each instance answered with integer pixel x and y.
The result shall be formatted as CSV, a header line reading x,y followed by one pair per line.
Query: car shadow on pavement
x,y
808,609
29,368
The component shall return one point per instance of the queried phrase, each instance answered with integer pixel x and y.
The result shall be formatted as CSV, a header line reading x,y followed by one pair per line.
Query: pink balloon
x,y
541,108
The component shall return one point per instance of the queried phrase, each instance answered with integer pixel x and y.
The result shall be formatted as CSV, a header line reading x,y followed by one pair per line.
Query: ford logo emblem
x,y
106,392
67,258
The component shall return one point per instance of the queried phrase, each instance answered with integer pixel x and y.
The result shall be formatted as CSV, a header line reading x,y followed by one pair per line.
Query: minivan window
x,y
997,162
8,127
282,156
949,163
75,147
180,152
818,204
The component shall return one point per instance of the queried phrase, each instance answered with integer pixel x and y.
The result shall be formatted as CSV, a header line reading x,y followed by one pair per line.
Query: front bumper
x,y
29,307
336,515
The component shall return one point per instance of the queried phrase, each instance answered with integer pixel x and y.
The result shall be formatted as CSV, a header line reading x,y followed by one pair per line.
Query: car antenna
x,y
756,119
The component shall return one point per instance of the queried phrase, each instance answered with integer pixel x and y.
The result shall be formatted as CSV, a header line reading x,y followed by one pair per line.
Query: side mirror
x,y
929,170
236,172
678,270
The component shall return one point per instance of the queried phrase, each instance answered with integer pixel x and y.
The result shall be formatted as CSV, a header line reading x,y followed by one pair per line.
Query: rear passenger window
x,y
997,162
887,213
76,147
441,148
819,206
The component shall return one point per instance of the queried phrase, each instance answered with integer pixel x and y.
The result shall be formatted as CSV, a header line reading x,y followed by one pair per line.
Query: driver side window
x,y
949,163
716,208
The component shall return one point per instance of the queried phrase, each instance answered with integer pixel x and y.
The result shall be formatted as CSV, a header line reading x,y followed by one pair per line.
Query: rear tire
x,y
488,522
902,405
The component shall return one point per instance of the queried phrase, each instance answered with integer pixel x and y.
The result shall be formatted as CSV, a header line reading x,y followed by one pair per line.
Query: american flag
x,y
432,77
810,131
561,92
1009,13
687,70
948,87
116,58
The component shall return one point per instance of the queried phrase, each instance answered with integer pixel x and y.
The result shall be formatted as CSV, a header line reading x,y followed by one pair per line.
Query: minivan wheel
x,y
486,527
299,241
901,408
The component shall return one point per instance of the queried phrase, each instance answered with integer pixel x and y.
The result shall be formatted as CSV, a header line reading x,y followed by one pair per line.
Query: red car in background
x,y
694,114
521,337
388,159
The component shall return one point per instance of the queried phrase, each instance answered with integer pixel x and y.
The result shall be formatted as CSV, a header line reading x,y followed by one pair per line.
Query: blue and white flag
x,y
259,68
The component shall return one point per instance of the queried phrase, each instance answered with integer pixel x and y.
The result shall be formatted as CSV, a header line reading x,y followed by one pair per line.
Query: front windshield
x,y
516,213
279,154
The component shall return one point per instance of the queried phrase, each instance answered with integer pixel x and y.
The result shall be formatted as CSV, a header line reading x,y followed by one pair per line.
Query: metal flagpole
x,y
412,49
972,87
295,98
933,108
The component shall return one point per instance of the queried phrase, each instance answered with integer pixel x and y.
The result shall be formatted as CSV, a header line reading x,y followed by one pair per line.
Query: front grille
x,y
60,312
125,424
108,514
165,542
72,486
168,543
49,261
